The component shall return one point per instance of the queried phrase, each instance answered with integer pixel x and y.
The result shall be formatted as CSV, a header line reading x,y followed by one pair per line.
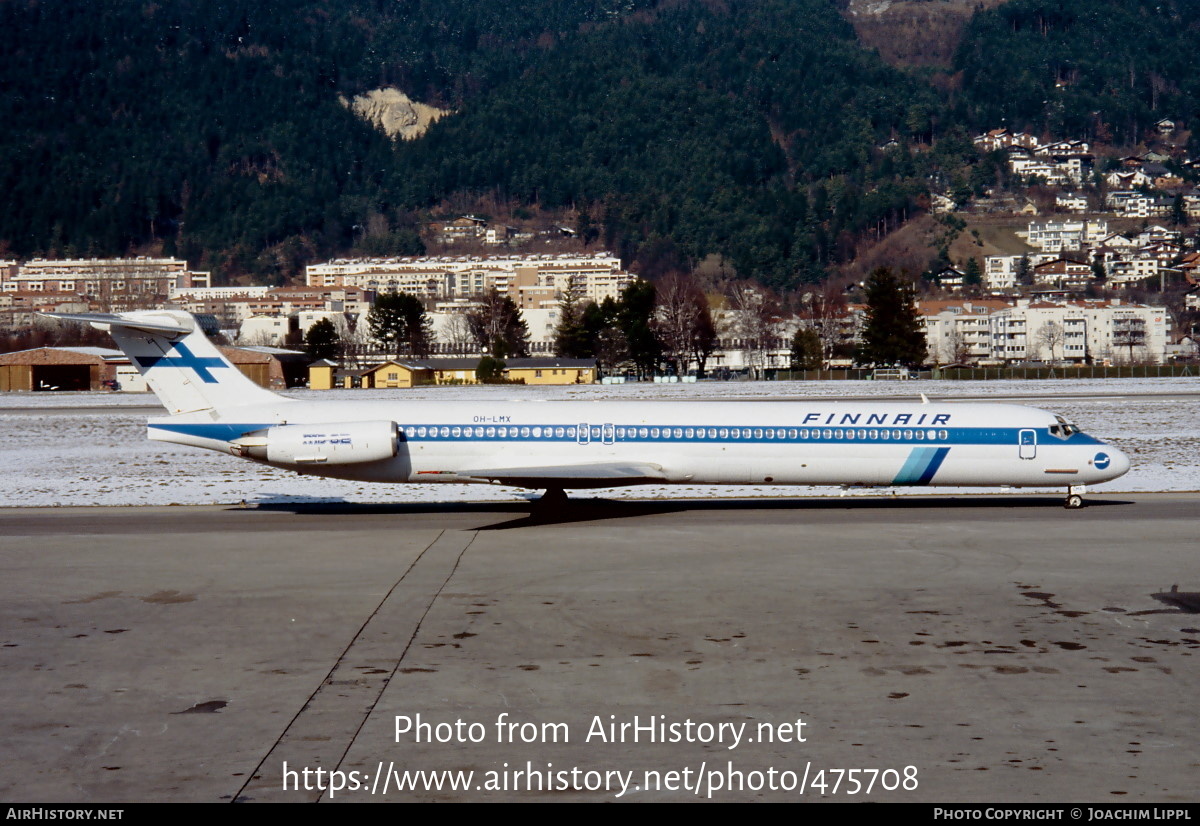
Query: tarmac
x,y
938,649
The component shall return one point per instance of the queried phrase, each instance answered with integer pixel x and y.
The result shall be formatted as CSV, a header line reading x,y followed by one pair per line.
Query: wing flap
x,y
599,475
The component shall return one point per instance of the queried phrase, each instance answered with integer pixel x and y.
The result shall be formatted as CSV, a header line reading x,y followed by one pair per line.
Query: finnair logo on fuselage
x,y
889,419
201,365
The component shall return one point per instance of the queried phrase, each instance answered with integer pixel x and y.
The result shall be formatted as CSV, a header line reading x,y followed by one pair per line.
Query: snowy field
x,y
71,449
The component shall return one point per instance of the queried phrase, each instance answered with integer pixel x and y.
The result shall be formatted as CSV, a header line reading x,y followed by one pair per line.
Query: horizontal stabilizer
x,y
600,475
163,325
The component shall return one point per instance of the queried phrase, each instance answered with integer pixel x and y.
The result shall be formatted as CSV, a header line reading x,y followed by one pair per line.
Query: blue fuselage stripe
x,y
639,434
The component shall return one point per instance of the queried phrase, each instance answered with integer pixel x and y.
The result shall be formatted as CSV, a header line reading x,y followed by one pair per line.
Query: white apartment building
x,y
530,280
118,282
1045,169
1079,331
1071,234
958,332
216,293
1000,271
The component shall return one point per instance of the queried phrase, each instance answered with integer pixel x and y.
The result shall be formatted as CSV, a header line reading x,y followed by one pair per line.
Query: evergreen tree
x,y
806,350
973,273
399,321
490,370
635,319
322,341
893,333
572,338
1024,271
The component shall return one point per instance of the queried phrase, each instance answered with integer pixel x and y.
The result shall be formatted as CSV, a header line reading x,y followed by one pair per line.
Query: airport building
x,y
47,369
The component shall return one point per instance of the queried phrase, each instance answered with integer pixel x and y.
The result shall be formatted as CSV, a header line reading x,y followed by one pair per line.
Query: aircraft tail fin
x,y
183,368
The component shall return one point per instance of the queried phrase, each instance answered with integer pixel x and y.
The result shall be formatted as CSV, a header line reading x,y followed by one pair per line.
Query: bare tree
x,y
754,324
823,311
499,327
677,318
456,332
960,348
1051,335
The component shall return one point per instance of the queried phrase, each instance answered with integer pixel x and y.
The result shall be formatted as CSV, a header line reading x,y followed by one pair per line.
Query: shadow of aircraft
x,y
537,513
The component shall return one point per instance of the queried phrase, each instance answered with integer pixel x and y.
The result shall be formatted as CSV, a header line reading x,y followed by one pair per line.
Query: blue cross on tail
x,y
186,359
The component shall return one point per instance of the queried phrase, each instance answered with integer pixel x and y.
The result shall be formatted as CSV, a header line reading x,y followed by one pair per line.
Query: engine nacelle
x,y
338,443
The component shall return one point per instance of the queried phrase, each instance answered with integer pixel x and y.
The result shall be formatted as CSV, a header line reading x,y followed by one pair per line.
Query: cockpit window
x,y
1064,429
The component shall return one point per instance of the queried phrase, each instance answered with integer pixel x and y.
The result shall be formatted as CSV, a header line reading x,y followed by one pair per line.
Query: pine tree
x,y
399,320
806,350
893,333
571,336
322,340
973,274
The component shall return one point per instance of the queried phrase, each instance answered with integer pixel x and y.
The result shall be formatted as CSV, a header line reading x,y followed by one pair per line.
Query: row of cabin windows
x,y
680,433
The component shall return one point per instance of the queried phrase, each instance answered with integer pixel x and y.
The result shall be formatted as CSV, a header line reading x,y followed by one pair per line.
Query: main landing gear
x,y
1075,497
553,497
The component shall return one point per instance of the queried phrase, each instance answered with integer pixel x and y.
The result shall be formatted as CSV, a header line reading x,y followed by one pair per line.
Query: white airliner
x,y
556,446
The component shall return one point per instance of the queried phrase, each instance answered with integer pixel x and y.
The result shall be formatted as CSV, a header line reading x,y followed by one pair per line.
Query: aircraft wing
x,y
599,475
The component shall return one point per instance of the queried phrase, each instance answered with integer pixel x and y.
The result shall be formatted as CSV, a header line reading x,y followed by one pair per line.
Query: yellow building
x,y
325,375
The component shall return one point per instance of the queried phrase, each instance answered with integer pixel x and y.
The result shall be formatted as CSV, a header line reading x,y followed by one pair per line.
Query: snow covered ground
x,y
68,449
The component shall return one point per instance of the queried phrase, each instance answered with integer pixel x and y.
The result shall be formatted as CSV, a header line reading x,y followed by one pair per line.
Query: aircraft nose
x,y
1111,462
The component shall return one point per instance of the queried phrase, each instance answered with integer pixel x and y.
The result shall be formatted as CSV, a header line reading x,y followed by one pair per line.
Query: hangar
x,y
99,368
60,368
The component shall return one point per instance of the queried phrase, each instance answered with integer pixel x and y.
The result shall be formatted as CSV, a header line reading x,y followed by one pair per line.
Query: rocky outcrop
x,y
395,113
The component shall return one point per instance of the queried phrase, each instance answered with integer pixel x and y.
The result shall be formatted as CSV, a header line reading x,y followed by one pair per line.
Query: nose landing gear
x,y
1075,496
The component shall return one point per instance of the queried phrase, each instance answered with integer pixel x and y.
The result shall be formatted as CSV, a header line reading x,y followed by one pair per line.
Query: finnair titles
x,y
559,446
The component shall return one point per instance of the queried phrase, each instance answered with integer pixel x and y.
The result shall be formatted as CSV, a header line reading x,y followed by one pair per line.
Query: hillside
x,y
763,131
